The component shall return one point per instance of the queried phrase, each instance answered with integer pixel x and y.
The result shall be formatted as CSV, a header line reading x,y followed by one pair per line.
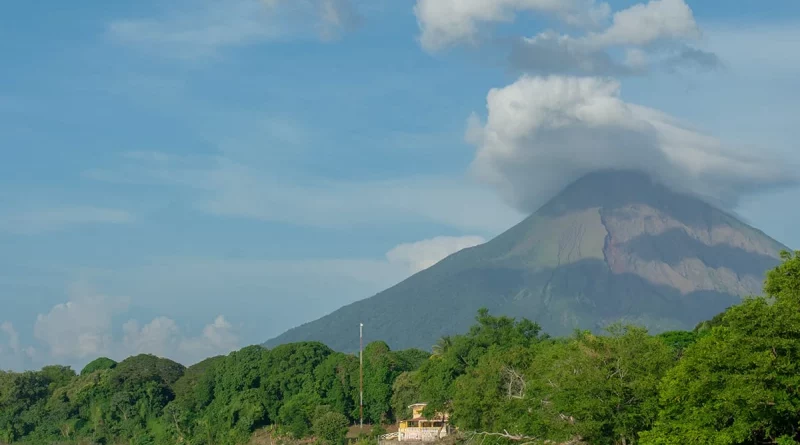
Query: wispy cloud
x,y
202,28
225,187
90,324
31,221
270,295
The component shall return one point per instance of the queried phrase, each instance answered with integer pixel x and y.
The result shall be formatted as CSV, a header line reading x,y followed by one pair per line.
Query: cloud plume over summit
x,y
542,133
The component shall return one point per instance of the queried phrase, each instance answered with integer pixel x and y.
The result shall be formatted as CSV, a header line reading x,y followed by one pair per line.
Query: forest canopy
x,y
733,380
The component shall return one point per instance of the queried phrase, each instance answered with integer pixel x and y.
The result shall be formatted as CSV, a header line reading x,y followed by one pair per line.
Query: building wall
x,y
422,434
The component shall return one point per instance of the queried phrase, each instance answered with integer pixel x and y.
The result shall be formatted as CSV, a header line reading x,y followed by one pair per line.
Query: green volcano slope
x,y
612,246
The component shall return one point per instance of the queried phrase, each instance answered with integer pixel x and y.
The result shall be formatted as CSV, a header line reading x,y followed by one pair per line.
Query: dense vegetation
x,y
733,380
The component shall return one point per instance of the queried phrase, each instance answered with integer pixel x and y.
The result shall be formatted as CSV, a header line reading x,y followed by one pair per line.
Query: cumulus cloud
x,y
159,337
447,22
206,26
423,254
660,27
658,30
163,337
82,329
643,24
218,337
542,133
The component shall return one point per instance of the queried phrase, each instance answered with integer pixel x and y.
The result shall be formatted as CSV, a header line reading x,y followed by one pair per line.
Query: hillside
x,y
612,246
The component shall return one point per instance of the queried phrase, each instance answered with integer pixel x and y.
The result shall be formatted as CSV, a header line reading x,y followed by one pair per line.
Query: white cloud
x,y
204,27
447,22
657,31
12,354
660,26
31,221
163,337
12,342
550,52
82,329
423,254
642,24
159,337
545,132
269,296
218,337
91,324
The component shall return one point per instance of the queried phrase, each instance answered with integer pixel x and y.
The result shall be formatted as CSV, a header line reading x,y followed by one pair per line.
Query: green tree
x,y
411,359
678,341
492,395
57,376
98,364
287,369
336,382
297,413
604,389
442,346
739,383
381,368
331,428
405,391
463,352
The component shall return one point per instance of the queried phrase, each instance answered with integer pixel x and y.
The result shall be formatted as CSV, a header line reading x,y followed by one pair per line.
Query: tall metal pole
x,y
361,372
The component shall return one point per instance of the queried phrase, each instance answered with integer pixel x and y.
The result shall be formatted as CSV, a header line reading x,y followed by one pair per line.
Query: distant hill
x,y
612,246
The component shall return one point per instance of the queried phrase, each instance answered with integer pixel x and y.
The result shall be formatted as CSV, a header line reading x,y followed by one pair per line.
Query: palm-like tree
x,y
442,346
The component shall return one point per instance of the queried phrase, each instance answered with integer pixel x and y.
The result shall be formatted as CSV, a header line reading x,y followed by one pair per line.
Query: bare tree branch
x,y
522,439
515,383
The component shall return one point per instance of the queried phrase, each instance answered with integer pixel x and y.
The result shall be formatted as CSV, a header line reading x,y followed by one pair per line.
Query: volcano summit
x,y
614,245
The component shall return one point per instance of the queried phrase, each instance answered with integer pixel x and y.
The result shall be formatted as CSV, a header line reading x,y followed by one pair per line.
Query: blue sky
x,y
185,177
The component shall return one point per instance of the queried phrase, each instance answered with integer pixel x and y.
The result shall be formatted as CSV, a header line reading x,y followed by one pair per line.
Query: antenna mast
x,y
361,372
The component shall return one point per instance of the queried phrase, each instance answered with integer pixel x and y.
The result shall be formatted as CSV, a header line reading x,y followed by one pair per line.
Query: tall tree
x,y
740,383
601,388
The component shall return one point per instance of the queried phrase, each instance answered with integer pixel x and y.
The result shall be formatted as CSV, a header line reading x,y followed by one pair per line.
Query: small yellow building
x,y
421,429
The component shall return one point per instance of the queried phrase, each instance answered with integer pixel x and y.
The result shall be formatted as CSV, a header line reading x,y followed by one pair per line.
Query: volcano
x,y
612,246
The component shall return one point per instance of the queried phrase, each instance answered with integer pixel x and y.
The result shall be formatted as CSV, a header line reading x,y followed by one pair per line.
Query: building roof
x,y
438,418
